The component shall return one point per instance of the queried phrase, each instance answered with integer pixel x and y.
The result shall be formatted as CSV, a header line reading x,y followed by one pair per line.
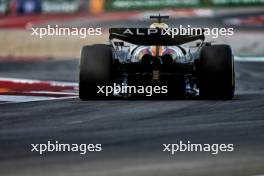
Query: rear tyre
x,y
96,67
216,72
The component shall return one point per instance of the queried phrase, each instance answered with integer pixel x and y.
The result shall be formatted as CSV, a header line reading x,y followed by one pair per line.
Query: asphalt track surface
x,y
132,132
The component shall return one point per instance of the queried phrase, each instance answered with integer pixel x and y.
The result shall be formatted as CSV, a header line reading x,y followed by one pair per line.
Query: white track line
x,y
249,59
54,93
10,99
6,99
18,80
22,99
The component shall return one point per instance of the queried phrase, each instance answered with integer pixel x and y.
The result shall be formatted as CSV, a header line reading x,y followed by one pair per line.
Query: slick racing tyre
x,y
96,66
216,72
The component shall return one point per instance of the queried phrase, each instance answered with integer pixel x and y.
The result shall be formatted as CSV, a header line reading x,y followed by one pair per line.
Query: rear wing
x,y
151,36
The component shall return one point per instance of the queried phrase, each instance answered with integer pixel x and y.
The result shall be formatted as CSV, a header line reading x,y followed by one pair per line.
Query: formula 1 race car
x,y
155,56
